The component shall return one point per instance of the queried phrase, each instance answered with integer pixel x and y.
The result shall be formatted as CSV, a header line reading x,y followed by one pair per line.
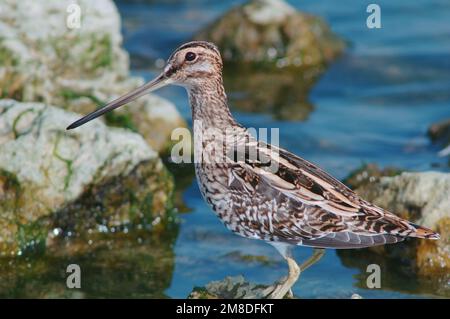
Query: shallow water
x,y
372,105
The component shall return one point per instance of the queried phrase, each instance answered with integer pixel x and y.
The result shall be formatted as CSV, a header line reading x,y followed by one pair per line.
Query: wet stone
x,y
230,288
89,63
272,31
74,180
264,37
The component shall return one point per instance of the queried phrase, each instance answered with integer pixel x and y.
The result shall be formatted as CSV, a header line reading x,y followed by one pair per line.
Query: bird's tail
x,y
422,232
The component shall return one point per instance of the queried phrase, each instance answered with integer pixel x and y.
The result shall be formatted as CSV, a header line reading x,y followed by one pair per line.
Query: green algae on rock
x,y
41,59
423,199
46,172
271,31
141,198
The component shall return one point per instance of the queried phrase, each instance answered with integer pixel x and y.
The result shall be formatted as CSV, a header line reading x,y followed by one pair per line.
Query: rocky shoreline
x,y
52,180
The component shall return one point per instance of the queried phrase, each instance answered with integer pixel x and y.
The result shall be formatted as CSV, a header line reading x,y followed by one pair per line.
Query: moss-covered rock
x,y
140,198
283,94
230,288
264,37
369,173
422,198
75,180
42,59
237,288
271,31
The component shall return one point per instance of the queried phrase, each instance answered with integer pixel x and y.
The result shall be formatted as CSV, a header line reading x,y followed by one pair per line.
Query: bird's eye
x,y
190,56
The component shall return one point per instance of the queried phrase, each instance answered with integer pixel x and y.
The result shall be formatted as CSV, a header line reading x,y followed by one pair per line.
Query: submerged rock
x,y
95,176
440,133
269,37
42,59
369,173
422,198
283,94
237,256
272,31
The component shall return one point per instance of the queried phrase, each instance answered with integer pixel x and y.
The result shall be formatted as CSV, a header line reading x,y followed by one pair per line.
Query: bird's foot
x,y
290,294
279,290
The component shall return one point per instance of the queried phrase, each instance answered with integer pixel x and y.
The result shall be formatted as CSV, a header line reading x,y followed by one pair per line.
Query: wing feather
x,y
323,212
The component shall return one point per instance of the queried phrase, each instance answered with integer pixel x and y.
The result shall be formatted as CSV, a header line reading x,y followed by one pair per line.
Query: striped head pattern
x,y
192,63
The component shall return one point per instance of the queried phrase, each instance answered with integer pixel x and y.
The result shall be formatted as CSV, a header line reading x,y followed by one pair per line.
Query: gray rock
x,y
42,59
273,31
237,288
44,168
230,288
422,196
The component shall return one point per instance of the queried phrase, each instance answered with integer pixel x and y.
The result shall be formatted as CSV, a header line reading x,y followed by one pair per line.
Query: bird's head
x,y
191,65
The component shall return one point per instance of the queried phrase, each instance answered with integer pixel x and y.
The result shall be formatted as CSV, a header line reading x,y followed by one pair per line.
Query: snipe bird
x,y
295,204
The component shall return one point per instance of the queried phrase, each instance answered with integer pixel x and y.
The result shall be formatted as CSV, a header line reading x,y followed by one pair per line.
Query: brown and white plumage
x,y
295,204
309,207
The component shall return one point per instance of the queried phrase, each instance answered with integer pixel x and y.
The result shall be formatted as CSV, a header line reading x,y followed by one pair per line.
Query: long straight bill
x,y
157,83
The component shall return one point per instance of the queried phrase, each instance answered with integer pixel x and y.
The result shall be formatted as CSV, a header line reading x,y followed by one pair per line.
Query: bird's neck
x,y
209,105
215,129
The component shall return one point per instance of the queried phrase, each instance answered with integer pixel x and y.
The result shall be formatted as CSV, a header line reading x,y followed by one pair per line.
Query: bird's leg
x,y
290,294
285,285
317,254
